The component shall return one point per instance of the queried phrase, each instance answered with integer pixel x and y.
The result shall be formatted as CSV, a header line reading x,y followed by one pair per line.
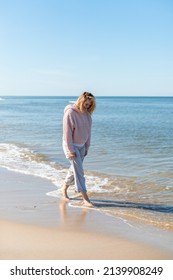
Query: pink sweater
x,y
76,127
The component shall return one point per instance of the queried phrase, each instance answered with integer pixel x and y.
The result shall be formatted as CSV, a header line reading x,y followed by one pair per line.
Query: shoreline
x,y
37,226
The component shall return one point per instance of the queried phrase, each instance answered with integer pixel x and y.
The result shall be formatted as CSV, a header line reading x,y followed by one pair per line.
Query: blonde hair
x,y
82,98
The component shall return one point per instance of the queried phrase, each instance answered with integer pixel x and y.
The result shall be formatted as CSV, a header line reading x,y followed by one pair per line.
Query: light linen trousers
x,y
75,175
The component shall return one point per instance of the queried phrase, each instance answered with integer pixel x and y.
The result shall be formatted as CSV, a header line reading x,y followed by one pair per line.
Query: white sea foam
x,y
72,101
23,160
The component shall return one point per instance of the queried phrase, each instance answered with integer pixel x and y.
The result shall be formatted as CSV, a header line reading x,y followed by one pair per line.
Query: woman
x,y
76,141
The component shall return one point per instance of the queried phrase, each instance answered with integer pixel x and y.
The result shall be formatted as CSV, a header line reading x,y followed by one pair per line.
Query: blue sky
x,y
107,47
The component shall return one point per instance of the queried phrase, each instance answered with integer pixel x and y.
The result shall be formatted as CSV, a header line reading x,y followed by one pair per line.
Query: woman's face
x,y
87,103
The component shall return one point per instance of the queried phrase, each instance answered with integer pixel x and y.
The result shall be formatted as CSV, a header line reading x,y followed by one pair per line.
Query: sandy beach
x,y
20,241
36,226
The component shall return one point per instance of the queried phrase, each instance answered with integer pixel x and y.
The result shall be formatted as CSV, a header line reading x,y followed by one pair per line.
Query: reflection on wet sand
x,y
68,218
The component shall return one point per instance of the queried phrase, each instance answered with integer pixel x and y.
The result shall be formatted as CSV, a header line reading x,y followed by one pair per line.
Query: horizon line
x,y
78,95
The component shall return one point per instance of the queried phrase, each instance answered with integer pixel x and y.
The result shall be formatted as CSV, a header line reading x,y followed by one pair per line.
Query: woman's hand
x,y
72,156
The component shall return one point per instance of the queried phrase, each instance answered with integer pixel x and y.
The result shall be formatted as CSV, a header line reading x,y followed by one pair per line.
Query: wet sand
x,y
36,226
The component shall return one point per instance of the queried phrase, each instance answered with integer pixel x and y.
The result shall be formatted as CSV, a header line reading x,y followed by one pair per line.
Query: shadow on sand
x,y
99,203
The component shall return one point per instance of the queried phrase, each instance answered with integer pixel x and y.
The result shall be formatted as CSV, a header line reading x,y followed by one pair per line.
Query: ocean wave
x,y
26,161
72,101
115,196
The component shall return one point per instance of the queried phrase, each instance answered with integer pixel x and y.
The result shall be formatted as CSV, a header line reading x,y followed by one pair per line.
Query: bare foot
x,y
64,192
88,204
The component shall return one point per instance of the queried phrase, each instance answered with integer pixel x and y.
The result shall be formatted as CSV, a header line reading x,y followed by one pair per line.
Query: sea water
x,y
129,168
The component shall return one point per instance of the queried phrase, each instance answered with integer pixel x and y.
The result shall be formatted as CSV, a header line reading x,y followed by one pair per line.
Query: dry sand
x,y
35,226
21,241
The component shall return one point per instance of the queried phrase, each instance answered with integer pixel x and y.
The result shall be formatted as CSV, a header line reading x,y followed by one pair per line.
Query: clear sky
x,y
107,47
